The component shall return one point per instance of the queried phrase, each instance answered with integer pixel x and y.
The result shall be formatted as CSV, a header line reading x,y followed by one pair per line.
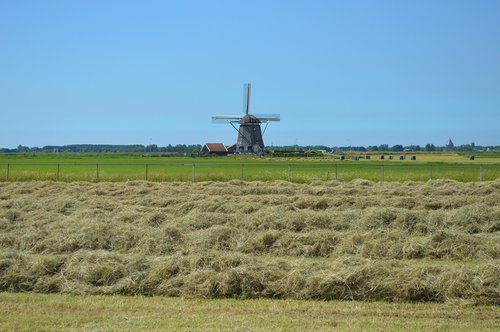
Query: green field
x,y
109,167
33,312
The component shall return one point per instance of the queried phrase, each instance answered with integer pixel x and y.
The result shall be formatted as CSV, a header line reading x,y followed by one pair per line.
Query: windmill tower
x,y
249,130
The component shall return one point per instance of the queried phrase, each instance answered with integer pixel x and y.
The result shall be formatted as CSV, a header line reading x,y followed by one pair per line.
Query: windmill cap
x,y
249,119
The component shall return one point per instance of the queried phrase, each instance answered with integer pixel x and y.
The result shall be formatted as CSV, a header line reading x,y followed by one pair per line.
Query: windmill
x,y
249,130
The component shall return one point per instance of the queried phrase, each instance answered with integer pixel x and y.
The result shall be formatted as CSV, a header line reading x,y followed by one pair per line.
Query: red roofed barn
x,y
214,149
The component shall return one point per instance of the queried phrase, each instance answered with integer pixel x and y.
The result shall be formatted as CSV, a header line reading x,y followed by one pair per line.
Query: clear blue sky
x,y
339,72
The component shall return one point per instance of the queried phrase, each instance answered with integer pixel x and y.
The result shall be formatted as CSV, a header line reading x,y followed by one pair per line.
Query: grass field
x,y
29,312
155,168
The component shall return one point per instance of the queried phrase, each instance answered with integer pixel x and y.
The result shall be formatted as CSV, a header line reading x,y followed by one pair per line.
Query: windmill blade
x,y
246,98
268,117
226,118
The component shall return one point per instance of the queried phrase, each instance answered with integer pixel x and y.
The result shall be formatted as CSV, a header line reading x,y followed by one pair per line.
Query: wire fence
x,y
293,172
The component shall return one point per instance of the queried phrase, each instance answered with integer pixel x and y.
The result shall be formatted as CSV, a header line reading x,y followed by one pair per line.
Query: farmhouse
x,y
218,149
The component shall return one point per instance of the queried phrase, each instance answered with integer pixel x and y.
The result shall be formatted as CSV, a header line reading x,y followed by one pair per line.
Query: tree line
x,y
194,148
386,148
105,148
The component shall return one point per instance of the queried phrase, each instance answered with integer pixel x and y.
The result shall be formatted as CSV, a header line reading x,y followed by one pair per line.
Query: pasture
x,y
43,312
108,167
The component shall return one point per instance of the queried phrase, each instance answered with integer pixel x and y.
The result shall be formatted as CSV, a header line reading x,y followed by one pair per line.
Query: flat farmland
x,y
253,255
358,240
155,168
55,312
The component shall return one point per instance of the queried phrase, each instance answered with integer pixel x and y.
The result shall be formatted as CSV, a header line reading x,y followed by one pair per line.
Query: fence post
x,y
58,171
336,174
97,171
382,174
242,171
289,172
147,171
481,173
430,172
194,173
8,171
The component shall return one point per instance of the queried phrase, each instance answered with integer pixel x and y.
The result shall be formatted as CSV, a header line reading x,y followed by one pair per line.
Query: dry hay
x,y
431,241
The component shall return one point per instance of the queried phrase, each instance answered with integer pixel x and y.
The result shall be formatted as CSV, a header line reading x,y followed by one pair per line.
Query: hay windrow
x,y
431,241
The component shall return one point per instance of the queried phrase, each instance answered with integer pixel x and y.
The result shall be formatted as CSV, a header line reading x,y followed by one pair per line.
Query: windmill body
x,y
249,126
250,136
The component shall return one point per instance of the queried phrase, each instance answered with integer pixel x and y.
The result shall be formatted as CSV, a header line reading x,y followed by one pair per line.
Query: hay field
x,y
420,242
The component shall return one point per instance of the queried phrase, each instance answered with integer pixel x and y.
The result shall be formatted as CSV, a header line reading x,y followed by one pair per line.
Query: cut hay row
x,y
326,240
224,275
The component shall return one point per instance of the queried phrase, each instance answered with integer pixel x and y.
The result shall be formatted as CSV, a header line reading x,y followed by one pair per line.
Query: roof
x,y
216,147
249,119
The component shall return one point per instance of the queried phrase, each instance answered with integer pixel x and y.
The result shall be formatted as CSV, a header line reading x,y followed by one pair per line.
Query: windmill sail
x,y
268,117
237,118
246,98
226,118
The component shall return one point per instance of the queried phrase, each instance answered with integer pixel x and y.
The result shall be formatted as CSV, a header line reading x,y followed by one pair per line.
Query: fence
x,y
293,172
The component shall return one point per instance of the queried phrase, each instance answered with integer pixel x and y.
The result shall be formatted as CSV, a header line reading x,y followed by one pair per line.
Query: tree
x,y
430,147
152,148
383,147
21,148
397,148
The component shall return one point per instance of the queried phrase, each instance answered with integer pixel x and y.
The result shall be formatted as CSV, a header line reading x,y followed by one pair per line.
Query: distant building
x,y
450,145
218,149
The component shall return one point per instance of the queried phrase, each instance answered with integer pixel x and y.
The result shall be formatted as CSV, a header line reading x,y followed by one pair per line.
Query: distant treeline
x,y
386,147
104,148
276,150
